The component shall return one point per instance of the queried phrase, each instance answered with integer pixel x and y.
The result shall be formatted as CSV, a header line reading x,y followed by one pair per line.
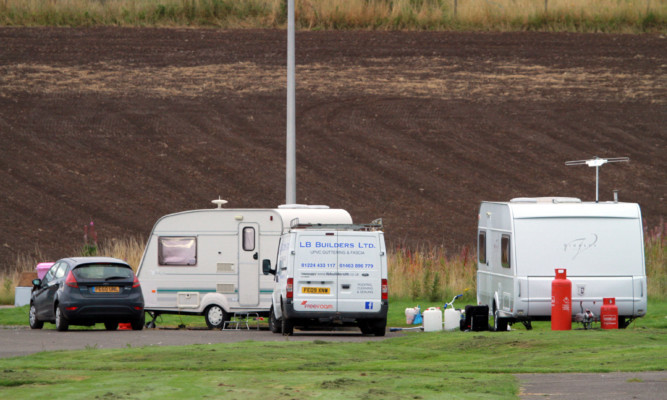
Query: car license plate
x,y
106,289
315,290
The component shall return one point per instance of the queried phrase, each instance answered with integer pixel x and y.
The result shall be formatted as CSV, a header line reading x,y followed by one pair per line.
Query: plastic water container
x,y
410,315
43,268
432,320
452,319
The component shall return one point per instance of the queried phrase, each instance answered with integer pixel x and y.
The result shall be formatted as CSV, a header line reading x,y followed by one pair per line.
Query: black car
x,y
86,291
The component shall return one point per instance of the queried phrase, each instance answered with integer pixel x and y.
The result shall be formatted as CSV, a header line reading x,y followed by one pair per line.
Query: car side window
x,y
50,274
61,271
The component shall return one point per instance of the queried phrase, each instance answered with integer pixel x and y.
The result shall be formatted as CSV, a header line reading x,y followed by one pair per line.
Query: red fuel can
x,y
609,313
561,302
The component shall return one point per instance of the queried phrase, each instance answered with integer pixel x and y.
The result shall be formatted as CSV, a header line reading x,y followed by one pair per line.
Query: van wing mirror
x,y
266,267
36,282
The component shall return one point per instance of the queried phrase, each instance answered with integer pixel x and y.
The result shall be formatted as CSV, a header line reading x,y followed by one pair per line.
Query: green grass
x,y
627,16
434,365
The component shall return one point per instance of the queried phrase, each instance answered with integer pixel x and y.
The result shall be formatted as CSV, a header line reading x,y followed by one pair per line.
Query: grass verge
x,y
431,365
504,15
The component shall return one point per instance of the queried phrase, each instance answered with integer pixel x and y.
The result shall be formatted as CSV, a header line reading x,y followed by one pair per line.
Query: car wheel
x,y
138,324
61,323
274,323
111,326
215,316
32,318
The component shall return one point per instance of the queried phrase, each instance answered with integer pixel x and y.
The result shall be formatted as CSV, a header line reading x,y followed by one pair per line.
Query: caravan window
x,y
181,250
248,239
481,248
505,251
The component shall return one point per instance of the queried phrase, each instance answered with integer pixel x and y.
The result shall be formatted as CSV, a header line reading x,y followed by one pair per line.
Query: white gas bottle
x,y
452,319
432,319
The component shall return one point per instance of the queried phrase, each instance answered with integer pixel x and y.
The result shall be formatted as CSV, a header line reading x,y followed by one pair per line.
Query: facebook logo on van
x,y
369,305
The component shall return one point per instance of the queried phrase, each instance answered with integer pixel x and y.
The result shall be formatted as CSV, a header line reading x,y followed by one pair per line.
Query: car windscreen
x,y
103,272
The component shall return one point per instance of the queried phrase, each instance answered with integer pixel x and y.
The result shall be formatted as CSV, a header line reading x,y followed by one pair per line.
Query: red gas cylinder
x,y
561,302
609,313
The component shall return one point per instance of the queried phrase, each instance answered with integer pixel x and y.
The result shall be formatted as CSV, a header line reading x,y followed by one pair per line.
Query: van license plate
x,y
106,289
315,290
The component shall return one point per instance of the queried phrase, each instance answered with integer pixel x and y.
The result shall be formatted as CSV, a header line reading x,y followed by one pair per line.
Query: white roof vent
x,y
301,206
219,202
555,200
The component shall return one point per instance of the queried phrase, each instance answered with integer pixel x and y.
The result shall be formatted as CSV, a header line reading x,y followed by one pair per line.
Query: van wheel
x,y
499,324
286,326
275,325
32,318
380,327
365,327
61,323
215,316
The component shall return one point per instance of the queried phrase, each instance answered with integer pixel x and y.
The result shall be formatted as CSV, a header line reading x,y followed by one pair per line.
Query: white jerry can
x,y
432,320
452,319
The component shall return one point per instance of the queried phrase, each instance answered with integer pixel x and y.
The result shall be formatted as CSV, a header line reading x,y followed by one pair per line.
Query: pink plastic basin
x,y
43,268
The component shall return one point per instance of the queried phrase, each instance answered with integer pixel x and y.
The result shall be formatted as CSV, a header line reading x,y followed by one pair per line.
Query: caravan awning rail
x,y
376,225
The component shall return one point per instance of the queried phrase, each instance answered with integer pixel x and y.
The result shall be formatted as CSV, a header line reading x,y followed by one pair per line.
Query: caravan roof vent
x,y
219,202
302,206
564,199
555,200
523,200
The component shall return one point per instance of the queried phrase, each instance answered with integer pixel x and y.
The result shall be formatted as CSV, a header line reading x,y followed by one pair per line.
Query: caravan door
x,y
249,265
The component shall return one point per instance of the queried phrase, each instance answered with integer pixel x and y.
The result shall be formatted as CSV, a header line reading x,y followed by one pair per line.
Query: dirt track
x,y
126,125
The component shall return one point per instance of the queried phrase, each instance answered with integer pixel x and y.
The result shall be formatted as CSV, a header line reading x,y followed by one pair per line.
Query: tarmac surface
x,y
22,341
608,386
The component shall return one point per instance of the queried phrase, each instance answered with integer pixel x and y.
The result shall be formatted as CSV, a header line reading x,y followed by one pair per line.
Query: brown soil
x,y
126,125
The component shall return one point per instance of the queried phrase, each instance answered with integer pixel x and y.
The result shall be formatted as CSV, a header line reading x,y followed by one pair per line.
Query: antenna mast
x,y
597,163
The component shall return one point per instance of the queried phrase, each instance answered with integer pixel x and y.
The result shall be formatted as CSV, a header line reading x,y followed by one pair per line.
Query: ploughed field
x,y
126,125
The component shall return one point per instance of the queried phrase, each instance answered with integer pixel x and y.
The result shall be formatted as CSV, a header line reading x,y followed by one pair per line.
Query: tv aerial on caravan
x,y
597,163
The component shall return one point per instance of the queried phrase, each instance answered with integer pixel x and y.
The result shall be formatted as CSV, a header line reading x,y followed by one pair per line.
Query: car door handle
x,y
255,256
345,286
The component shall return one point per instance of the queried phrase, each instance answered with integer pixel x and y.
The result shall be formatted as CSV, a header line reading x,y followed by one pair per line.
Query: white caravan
x,y
330,274
520,244
208,262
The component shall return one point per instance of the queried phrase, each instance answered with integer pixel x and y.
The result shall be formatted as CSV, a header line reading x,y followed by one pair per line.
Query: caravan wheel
x,y
215,316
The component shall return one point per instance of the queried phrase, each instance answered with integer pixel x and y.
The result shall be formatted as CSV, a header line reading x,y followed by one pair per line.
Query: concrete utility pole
x,y
290,173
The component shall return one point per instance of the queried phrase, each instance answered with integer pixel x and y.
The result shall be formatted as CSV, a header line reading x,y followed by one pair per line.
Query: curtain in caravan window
x,y
248,239
505,251
481,248
177,251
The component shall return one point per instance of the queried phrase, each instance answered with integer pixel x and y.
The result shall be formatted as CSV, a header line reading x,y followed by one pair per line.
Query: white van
x,y
330,275
207,262
521,243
